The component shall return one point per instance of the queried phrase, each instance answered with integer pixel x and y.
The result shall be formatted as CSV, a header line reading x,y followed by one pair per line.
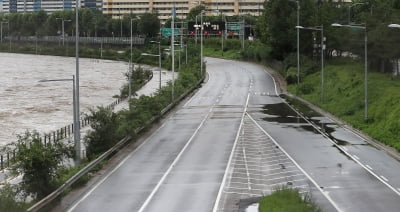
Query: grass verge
x,y
344,97
287,200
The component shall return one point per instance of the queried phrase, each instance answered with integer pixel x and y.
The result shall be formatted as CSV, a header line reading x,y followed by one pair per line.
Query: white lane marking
x,y
115,169
355,156
247,169
243,193
173,164
348,154
345,148
296,164
273,79
384,178
230,158
197,93
369,167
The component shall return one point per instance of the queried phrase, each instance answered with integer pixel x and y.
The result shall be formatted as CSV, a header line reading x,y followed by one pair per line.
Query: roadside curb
x,y
375,143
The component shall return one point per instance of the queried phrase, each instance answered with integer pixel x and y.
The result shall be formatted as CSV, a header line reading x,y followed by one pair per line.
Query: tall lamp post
x,y
131,65
159,62
62,28
201,41
350,6
1,29
365,63
76,126
298,41
159,58
394,26
78,156
319,28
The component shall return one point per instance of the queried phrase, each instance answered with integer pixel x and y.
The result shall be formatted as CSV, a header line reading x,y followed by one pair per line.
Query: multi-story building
x,y
21,6
117,8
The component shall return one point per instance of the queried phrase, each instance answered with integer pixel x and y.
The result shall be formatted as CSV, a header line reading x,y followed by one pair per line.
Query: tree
x,y
149,24
38,163
191,16
104,135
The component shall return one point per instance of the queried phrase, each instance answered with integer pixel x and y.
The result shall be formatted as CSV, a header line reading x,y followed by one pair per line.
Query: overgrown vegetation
x,y
287,200
42,163
344,97
38,162
9,199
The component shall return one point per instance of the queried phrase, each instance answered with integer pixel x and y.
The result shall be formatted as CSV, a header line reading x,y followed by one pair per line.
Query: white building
x,y
21,6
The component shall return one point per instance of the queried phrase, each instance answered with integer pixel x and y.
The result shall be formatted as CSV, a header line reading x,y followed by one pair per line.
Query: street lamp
x,y
350,6
62,21
201,41
3,22
173,52
394,25
179,55
298,42
131,65
365,62
75,115
159,57
159,62
77,72
101,47
319,28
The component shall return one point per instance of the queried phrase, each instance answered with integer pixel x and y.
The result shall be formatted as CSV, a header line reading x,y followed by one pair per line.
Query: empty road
x,y
236,139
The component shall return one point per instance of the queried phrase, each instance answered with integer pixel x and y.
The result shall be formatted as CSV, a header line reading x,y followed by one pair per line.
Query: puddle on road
x,y
282,113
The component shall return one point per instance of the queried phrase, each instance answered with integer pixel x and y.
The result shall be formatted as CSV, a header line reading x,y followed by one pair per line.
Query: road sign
x,y
167,32
235,27
209,26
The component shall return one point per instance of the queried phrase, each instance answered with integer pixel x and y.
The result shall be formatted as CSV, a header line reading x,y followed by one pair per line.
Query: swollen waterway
x,y
27,104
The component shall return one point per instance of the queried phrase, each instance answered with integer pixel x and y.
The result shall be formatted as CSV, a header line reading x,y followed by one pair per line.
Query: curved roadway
x,y
189,162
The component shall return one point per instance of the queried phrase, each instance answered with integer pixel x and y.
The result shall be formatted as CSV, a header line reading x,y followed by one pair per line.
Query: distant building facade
x,y
23,6
117,8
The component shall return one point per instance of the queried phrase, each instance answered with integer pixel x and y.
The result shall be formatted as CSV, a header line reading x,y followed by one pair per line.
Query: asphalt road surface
x,y
236,139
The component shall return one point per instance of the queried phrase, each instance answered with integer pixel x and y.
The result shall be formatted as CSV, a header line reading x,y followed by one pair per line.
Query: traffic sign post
x,y
167,32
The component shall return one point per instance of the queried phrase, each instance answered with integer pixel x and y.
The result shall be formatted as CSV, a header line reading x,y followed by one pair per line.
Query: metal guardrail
x,y
92,164
57,135
83,40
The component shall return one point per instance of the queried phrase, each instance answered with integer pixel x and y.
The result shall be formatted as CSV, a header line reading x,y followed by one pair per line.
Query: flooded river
x,y
27,104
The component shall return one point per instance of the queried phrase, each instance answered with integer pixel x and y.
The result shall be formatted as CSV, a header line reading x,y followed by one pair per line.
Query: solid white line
x,y
242,193
110,173
173,164
273,79
349,155
298,166
197,93
247,169
230,158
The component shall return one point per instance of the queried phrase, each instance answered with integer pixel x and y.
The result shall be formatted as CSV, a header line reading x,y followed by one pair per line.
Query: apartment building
x,y
117,8
22,6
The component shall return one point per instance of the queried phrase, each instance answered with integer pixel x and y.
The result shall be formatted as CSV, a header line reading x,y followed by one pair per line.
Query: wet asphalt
x,y
216,152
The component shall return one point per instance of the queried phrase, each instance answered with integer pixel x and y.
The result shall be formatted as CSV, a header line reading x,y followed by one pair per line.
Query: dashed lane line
x,y
217,200
298,166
